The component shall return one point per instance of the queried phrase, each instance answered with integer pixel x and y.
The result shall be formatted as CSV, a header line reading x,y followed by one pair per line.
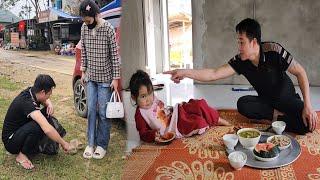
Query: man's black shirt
x,y
18,113
269,78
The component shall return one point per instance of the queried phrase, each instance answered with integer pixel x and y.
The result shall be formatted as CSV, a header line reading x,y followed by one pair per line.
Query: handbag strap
x,y
114,97
119,100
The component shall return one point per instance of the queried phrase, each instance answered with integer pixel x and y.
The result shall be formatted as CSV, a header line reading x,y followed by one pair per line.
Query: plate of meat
x,y
166,138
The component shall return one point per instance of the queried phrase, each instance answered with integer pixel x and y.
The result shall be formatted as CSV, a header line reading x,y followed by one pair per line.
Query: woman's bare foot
x,y
223,122
24,161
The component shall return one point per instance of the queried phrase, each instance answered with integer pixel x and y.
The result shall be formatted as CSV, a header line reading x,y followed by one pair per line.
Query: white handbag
x,y
114,107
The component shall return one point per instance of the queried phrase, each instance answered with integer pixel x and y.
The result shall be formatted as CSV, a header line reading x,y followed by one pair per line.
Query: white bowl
x,y
248,143
237,159
230,140
278,126
280,136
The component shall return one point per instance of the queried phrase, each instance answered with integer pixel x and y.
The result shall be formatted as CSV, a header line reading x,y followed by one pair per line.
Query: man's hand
x,y
176,75
114,84
49,107
66,147
310,118
50,110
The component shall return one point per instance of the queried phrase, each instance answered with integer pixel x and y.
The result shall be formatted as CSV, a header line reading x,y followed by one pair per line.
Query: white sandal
x,y
88,152
99,153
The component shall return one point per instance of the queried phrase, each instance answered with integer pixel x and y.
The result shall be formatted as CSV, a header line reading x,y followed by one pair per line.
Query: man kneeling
x,y
25,125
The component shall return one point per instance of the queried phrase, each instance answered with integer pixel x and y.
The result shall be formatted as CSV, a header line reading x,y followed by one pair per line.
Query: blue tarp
x,y
112,5
63,14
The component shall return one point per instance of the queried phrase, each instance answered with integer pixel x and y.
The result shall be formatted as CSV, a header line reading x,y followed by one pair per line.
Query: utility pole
x,y
48,25
27,26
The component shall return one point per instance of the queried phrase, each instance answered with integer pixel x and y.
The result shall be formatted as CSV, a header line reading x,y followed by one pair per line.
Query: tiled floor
x,y
218,96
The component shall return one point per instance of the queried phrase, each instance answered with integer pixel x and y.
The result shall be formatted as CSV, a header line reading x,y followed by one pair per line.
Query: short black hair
x,y
88,8
138,79
43,82
251,27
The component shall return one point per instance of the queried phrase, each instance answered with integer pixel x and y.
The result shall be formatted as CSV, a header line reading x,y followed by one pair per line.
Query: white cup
x,y
237,159
278,126
230,140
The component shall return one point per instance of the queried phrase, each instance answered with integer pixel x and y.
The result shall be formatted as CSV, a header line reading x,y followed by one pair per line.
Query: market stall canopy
x,y
8,17
53,14
112,12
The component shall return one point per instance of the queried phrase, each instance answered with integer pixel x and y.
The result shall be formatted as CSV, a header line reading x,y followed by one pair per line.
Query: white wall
x,y
293,23
133,51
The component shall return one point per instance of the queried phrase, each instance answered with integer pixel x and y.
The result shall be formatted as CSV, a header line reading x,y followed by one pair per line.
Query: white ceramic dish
x,y
279,138
165,141
278,126
286,157
237,159
230,140
249,143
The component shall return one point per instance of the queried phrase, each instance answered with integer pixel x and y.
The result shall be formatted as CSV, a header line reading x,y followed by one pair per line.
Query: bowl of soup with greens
x,y
249,137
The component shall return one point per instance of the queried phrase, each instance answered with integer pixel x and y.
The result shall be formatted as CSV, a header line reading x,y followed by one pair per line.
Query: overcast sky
x,y
176,5
17,8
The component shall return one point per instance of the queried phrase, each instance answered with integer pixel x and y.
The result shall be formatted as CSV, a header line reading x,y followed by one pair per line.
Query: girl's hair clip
x,y
88,8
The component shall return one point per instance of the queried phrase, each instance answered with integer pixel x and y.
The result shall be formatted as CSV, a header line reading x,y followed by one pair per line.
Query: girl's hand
x,y
83,76
114,84
157,137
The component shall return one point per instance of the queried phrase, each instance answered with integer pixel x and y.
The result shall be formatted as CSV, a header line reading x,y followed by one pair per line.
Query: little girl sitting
x,y
154,120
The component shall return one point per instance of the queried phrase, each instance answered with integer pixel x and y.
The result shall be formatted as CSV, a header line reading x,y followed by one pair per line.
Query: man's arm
x,y
309,116
203,75
48,129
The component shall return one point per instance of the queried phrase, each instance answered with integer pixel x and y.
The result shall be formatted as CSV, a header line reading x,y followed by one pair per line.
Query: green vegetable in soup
x,y
249,134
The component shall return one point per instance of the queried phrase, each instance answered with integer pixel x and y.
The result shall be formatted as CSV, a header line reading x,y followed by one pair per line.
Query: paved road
x,y
61,64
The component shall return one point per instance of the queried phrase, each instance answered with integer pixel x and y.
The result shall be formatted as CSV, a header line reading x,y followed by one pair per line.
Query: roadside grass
x,y
4,103
7,85
63,166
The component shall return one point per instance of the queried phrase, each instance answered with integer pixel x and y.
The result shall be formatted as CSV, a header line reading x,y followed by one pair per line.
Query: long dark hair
x,y
138,79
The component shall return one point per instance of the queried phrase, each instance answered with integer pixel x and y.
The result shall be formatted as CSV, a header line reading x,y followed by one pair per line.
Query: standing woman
x,y
100,72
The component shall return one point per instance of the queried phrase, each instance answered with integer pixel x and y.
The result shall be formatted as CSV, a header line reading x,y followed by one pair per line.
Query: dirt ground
x,y
25,76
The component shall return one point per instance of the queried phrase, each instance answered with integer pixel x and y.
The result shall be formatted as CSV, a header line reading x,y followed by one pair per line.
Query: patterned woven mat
x,y
204,157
